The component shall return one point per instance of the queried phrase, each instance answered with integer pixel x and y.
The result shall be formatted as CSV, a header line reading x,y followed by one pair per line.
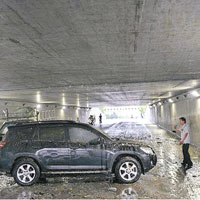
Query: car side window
x,y
52,133
25,133
81,135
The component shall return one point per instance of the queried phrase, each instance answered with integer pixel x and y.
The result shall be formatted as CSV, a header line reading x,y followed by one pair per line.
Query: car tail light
x,y
3,144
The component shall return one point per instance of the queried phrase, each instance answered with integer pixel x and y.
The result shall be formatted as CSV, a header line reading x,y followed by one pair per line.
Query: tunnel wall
x,y
68,113
167,115
46,112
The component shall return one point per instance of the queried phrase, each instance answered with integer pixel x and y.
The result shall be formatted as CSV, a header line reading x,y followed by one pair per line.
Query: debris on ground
x,y
112,189
165,181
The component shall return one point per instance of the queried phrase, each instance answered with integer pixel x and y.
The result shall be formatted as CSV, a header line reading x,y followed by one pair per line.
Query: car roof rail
x,y
42,122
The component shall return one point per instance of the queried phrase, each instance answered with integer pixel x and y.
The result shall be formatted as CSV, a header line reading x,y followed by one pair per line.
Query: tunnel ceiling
x,y
101,52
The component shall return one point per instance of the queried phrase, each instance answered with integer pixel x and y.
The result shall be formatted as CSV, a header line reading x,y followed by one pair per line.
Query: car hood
x,y
130,143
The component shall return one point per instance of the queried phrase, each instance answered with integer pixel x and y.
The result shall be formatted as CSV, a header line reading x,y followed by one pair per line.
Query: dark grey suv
x,y
32,150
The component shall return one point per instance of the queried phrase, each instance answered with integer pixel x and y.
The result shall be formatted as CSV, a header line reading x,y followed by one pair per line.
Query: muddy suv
x,y
33,150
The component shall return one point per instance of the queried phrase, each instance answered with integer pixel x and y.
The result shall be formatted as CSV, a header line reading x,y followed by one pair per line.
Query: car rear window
x,y
4,131
4,137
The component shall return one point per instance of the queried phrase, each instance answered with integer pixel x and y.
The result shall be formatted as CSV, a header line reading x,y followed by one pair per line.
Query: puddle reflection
x,y
128,193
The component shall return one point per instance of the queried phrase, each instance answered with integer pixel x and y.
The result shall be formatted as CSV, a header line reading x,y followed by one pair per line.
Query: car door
x,y
85,156
54,152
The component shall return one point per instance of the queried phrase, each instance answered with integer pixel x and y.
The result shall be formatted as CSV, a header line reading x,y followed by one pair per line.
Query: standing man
x,y
185,142
100,119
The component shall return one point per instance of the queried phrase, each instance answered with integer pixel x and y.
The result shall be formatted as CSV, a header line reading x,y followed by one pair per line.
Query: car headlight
x,y
147,150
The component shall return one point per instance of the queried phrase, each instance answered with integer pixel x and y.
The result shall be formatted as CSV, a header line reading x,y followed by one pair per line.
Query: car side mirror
x,y
101,140
97,141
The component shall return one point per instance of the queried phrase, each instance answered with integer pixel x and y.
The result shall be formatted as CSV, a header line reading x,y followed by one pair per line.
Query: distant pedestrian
x,y
185,142
100,119
92,119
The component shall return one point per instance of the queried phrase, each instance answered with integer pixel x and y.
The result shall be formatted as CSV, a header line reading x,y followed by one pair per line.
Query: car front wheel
x,y
128,170
26,172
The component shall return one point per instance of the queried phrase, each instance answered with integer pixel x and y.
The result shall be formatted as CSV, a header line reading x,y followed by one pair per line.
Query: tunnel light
x,y
38,106
63,100
195,93
170,100
38,97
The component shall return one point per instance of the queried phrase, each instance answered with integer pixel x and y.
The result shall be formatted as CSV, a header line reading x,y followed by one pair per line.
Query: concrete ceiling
x,y
98,52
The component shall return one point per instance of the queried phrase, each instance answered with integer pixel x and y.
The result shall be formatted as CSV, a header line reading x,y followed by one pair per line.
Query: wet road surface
x,y
165,181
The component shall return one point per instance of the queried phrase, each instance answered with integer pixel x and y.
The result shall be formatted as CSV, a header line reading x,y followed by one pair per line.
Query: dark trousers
x,y
186,155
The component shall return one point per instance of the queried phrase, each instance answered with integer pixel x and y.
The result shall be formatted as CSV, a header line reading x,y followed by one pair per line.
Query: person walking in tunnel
x,y
185,142
100,119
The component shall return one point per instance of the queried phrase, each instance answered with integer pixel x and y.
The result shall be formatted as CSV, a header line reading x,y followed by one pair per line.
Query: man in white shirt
x,y
185,142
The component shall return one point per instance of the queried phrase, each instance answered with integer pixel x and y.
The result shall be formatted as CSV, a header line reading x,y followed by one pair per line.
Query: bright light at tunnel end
x,y
195,93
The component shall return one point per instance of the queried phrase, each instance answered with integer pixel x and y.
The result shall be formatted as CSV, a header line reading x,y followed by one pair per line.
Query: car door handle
x,y
54,154
73,152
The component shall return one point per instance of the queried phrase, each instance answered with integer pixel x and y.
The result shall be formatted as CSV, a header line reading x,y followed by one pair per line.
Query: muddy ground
x,y
165,181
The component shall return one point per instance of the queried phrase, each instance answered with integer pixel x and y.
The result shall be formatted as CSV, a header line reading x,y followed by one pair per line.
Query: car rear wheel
x,y
26,172
128,170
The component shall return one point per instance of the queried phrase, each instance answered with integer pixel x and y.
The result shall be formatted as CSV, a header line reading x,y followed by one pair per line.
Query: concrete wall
x,y
69,113
75,114
168,114
46,112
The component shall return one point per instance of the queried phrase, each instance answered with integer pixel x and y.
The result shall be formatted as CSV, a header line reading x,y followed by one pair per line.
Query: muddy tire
x,y
128,170
26,172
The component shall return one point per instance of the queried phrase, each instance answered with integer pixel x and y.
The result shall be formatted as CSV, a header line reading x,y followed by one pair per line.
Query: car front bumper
x,y
149,162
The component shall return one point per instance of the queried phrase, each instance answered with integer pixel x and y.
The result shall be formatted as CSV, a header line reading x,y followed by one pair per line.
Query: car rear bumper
x,y
4,166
